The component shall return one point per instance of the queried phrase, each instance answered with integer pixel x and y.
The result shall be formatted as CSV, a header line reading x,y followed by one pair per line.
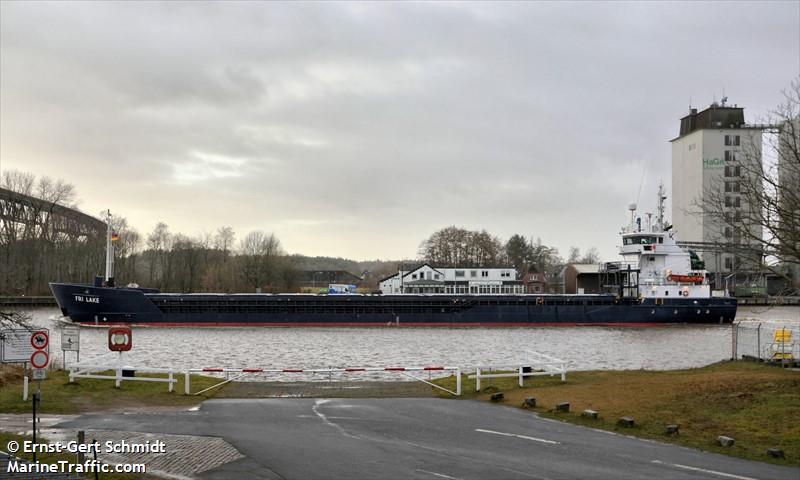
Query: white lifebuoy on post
x,y
686,293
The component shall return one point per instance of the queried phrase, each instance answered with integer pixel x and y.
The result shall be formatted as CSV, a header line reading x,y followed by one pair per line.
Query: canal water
x,y
584,348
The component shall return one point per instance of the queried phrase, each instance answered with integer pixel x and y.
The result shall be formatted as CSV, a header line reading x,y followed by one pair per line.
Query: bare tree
x,y
223,241
258,255
10,320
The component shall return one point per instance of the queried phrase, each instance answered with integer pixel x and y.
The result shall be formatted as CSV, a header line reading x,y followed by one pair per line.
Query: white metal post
x,y
186,387
520,376
170,380
25,388
478,379
458,381
119,371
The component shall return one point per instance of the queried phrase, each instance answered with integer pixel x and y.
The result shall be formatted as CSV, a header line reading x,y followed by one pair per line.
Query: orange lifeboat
x,y
686,278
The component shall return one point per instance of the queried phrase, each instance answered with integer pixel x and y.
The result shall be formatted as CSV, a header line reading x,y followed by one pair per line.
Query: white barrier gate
x,y
241,372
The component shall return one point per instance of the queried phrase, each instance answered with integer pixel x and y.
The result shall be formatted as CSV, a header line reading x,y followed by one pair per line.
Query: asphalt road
x,y
426,439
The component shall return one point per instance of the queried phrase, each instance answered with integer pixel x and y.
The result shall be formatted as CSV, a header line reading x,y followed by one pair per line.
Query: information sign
x,y
71,338
39,374
16,346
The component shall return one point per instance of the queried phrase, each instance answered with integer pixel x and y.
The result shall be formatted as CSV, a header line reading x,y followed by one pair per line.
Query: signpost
x,y
39,340
70,341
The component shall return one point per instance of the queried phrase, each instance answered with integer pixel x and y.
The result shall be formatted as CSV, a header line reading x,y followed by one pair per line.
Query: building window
x,y
728,201
727,187
473,273
728,263
484,273
459,273
436,276
728,232
737,202
730,156
414,276
732,140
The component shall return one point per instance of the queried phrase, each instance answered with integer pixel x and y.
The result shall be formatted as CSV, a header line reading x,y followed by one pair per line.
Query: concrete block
x,y
725,441
672,430
529,402
498,397
775,453
589,414
562,407
626,422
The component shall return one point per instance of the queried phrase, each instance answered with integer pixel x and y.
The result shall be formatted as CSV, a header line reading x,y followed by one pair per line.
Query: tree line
x,y
459,247
35,251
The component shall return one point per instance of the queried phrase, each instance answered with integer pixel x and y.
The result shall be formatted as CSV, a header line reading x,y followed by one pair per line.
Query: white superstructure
x,y
664,269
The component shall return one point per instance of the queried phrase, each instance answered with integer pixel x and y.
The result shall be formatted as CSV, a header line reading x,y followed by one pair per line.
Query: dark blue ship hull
x,y
113,306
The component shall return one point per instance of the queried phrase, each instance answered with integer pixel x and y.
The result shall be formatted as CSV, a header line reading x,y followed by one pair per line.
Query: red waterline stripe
x,y
252,370
292,370
213,370
395,369
415,325
355,369
433,368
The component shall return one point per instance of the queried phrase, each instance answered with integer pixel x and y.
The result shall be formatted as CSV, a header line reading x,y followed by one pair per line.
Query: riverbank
x,y
757,405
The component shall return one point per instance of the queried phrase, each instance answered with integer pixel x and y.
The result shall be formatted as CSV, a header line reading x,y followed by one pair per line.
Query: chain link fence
x,y
766,342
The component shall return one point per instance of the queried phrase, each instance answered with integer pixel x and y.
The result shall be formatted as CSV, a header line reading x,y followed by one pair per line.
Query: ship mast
x,y
660,206
109,251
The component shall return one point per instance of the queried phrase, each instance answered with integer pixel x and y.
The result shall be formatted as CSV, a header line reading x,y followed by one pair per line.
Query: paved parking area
x,y
422,438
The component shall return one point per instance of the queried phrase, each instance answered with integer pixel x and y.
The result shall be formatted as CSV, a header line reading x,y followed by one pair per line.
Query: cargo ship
x,y
656,283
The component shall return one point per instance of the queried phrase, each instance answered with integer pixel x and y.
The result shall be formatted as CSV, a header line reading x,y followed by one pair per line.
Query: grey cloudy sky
x,y
357,129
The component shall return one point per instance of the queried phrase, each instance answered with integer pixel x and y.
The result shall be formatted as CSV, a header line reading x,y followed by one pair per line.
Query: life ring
x,y
539,301
685,293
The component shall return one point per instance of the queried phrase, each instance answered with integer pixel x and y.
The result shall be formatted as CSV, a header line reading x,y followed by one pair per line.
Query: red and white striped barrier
x,y
240,372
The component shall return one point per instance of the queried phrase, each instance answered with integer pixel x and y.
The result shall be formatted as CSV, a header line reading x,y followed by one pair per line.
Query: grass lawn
x,y
756,404
89,395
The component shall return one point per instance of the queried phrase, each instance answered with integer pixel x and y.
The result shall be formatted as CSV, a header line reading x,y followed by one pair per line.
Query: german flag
x,y
114,236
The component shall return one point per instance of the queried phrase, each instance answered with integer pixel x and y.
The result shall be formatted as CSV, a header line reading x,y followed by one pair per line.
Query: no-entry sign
x,y
40,359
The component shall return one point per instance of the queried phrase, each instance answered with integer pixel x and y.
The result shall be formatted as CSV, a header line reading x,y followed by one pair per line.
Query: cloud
x,y
356,129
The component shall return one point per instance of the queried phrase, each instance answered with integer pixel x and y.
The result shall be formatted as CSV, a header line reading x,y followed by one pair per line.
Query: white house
x,y
453,280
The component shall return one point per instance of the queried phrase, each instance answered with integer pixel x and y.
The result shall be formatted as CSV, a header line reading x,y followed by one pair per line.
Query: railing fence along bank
x,y
534,364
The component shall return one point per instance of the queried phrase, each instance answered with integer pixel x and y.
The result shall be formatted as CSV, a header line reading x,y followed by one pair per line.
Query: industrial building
x,y
708,157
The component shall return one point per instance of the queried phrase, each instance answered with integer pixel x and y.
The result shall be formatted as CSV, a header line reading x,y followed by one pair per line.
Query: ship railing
x,y
122,371
232,374
535,364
